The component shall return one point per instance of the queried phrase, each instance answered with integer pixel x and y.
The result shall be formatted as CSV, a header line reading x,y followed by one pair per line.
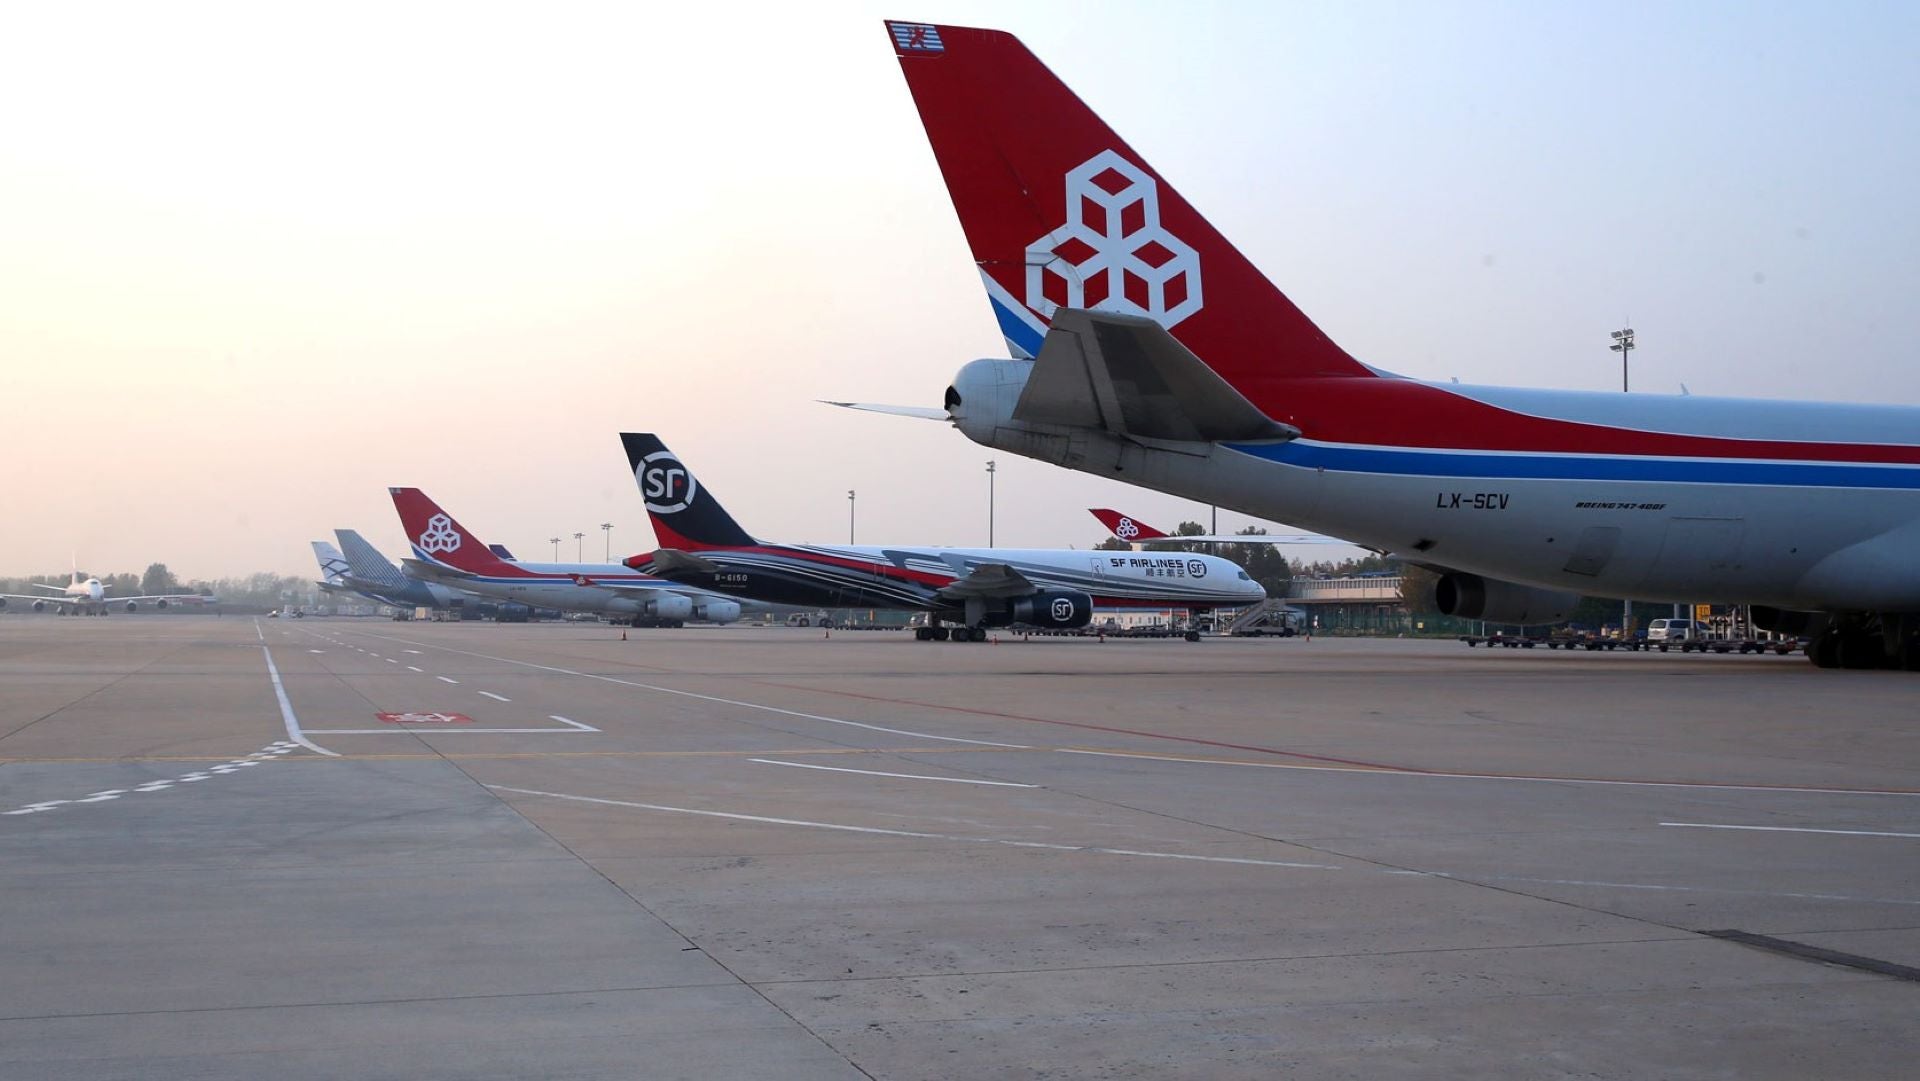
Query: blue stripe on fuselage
x,y
1015,329
1522,465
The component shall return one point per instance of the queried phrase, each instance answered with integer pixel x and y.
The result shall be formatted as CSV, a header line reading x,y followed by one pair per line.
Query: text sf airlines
x,y
1146,348
972,589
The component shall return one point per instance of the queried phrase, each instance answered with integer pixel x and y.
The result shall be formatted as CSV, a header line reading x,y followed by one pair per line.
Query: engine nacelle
x,y
39,606
670,606
1470,596
714,610
160,605
3,602
134,606
1052,609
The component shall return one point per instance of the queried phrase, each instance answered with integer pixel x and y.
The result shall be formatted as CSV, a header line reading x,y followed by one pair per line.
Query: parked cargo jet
x,y
974,588
445,552
1146,348
88,597
1134,531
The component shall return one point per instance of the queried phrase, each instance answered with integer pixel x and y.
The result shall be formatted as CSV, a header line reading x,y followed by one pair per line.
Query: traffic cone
x,y
623,635
828,633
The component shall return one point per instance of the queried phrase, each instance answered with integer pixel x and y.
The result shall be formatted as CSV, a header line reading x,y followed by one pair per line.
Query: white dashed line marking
x,y
444,679
411,668
105,795
496,697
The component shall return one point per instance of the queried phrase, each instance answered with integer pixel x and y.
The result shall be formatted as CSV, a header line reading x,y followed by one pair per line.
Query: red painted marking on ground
x,y
424,718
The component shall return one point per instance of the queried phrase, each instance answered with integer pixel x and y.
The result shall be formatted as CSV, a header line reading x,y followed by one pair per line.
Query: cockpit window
x,y
1245,577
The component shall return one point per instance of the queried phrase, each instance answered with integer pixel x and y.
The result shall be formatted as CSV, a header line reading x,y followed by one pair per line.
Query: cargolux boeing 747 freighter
x,y
1147,349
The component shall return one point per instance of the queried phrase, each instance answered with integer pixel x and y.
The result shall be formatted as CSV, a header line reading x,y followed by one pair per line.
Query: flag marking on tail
x,y
916,38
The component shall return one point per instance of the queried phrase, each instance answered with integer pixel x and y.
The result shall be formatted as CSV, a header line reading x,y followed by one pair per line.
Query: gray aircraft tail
x,y
366,563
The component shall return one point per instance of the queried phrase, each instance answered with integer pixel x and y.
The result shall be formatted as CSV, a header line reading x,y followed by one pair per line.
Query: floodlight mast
x,y
1623,345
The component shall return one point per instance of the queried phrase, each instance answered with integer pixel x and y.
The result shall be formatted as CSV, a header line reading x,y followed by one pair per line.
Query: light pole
x,y
556,548
850,505
990,468
1623,345
578,541
607,528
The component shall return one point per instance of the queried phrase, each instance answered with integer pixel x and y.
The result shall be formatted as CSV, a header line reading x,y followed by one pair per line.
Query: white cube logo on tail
x,y
440,535
665,484
1126,530
1112,255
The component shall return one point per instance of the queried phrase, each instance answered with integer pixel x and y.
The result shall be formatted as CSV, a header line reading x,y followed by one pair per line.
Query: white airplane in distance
x,y
1145,347
1134,531
88,597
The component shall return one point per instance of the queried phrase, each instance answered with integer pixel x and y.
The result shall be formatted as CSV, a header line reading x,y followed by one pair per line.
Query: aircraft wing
x,y
989,580
40,585
1249,538
183,598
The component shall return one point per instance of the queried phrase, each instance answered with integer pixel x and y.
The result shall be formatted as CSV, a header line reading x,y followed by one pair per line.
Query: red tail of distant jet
x,y
438,538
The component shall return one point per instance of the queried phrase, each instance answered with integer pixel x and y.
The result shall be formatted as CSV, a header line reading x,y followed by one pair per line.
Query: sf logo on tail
x,y
665,484
440,535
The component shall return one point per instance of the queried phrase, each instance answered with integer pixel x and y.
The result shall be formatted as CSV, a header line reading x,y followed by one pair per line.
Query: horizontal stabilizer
x,y
1126,375
434,572
920,412
669,561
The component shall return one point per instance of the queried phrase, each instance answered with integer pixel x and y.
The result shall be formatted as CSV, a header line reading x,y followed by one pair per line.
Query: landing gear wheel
x,y
1192,636
938,634
1824,650
1861,651
922,634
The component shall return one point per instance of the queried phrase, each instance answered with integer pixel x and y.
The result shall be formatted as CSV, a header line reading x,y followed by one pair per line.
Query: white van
x,y
1670,630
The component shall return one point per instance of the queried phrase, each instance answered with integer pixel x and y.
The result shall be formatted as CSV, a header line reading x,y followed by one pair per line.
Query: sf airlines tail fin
x,y
685,515
1060,213
437,538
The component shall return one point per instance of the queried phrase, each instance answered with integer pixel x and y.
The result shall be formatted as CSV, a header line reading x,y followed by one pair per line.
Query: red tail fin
x,y
1061,213
435,535
1127,529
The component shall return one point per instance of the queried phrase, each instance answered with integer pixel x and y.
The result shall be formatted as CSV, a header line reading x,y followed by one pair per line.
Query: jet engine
x,y
670,606
3,602
1053,609
134,606
39,606
1470,596
714,610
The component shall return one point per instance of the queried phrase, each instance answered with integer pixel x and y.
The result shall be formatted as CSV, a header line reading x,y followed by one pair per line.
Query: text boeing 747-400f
x,y
1146,348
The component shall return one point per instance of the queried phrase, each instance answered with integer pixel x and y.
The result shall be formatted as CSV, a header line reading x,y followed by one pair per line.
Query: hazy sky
x,y
258,262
